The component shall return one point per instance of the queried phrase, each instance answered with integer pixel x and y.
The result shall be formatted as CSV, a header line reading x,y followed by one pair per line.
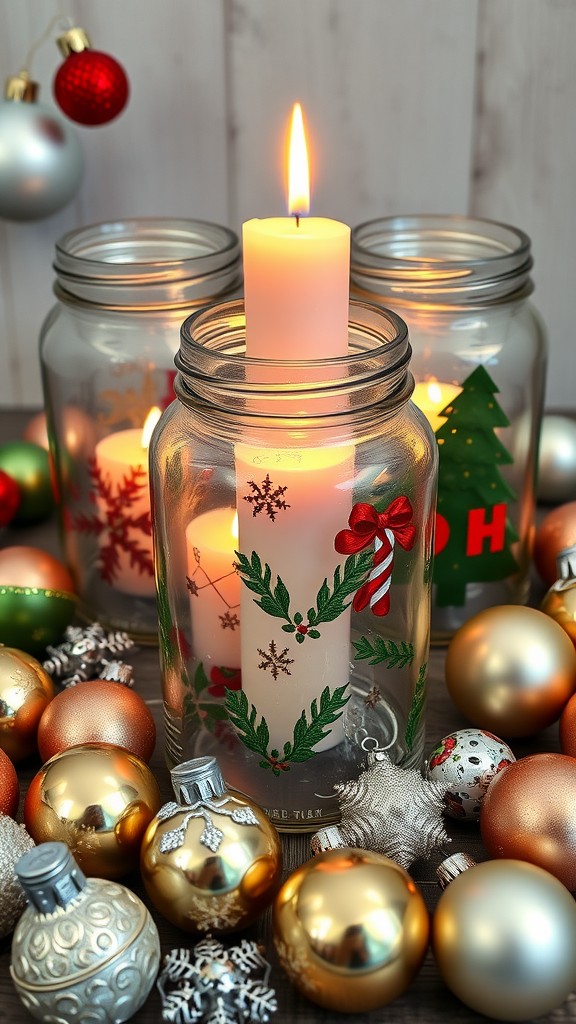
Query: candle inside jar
x,y
431,397
214,588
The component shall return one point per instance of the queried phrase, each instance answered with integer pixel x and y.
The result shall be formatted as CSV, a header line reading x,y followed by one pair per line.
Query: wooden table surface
x,y
427,1000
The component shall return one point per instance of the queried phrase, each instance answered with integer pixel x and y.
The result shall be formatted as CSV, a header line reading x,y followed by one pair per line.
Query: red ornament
x,y
9,498
90,87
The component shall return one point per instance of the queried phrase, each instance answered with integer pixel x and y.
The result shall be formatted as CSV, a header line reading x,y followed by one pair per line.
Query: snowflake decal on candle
x,y
200,579
266,498
274,660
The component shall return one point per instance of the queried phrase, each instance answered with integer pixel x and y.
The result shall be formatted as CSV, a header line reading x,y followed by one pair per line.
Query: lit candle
x,y
292,499
123,503
431,396
214,588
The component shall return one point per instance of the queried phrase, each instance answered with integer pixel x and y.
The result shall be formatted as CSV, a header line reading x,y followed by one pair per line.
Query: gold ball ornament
x,y
37,598
14,841
211,862
503,936
529,813
511,670
97,711
351,930
25,691
560,600
556,532
99,800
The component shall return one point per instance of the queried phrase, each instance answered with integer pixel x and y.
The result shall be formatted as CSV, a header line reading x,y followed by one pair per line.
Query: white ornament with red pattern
x,y
466,761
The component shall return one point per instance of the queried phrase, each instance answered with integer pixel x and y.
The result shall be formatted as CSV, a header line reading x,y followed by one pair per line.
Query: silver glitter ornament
x,y
83,655
215,985
390,810
14,841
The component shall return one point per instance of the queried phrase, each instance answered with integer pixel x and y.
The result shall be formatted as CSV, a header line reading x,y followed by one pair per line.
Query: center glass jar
x,y
107,355
463,286
293,520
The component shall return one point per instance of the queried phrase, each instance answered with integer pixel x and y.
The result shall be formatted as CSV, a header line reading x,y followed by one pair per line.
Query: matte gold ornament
x,y
14,841
351,930
25,691
529,813
511,670
391,810
211,862
99,800
560,600
503,935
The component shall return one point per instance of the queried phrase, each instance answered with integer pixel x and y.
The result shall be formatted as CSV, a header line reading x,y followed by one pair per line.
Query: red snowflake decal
x,y
114,524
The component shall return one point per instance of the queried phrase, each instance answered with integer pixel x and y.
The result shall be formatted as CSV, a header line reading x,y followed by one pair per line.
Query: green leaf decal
x,y
417,707
396,655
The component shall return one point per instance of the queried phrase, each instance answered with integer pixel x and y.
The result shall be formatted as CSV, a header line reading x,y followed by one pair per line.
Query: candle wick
x,y
297,215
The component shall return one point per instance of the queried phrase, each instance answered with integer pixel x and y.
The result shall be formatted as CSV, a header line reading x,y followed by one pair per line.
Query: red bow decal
x,y
384,529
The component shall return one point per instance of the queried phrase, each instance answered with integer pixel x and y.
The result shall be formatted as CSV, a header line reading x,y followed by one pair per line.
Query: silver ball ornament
x,y
557,460
41,162
465,762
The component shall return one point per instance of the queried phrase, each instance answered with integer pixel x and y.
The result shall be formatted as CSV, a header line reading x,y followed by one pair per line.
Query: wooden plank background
x,y
413,106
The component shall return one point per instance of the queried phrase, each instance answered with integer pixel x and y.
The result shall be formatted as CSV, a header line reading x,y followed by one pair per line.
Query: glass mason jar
x,y
463,286
107,355
293,520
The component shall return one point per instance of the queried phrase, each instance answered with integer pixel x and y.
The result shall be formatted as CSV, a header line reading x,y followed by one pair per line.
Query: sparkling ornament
x,y
466,761
557,459
212,861
36,598
99,800
350,929
529,813
390,810
511,670
503,935
90,87
560,600
84,949
10,498
97,711
25,690
29,467
84,655
41,163
556,532
216,985
14,841
9,786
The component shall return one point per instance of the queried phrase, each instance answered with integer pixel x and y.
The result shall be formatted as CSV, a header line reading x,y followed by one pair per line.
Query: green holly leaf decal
x,y
395,655
417,707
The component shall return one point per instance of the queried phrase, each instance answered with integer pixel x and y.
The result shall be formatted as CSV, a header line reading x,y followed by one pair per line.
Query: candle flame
x,y
435,392
149,424
298,173
234,526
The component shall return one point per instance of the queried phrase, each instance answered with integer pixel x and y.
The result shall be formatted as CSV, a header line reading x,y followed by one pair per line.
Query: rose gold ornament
x,y
350,929
511,670
529,813
556,532
25,691
99,800
23,566
9,786
97,711
211,862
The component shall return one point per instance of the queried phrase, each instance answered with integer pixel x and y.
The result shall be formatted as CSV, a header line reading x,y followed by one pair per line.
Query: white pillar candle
x,y
214,588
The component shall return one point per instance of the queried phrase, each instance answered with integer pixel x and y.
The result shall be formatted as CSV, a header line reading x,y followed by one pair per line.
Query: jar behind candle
x,y
463,286
107,349
293,516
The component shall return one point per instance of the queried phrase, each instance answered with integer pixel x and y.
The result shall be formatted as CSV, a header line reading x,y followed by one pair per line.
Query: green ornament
x,y
28,465
32,617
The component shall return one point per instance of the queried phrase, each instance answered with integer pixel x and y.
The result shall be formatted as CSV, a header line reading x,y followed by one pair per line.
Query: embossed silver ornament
x,y
85,951
390,810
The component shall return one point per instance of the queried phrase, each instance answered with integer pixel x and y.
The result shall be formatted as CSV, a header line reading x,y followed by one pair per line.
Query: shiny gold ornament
x,y
351,930
560,600
99,800
511,670
14,841
503,935
211,862
556,532
25,691
529,813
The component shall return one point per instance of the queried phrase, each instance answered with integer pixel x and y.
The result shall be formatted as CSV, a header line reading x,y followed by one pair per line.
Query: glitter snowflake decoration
x,y
266,498
275,661
216,985
121,516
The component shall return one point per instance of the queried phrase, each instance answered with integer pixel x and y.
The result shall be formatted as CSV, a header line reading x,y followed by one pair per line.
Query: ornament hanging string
x,y
64,21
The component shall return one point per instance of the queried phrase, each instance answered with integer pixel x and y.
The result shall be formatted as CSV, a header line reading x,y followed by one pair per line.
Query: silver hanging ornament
x,y
41,162
390,810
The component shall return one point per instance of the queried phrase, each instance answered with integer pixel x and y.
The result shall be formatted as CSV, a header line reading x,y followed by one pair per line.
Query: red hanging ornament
x,y
90,87
9,498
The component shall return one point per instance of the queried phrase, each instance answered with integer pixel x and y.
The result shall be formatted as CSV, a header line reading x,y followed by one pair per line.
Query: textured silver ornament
x,y
14,841
211,836
390,810
216,985
83,655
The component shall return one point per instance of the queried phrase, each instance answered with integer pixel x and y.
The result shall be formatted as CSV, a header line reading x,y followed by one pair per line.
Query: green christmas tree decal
x,y
472,494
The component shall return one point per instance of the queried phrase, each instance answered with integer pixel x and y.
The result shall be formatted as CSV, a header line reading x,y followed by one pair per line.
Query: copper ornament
x,y
556,532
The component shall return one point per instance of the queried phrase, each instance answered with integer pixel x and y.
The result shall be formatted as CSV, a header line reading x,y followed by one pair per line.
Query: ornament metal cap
x,y
50,876
453,866
327,839
197,781
20,88
565,567
74,40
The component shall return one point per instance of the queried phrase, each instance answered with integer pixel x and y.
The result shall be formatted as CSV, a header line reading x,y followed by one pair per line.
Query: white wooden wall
x,y
449,106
